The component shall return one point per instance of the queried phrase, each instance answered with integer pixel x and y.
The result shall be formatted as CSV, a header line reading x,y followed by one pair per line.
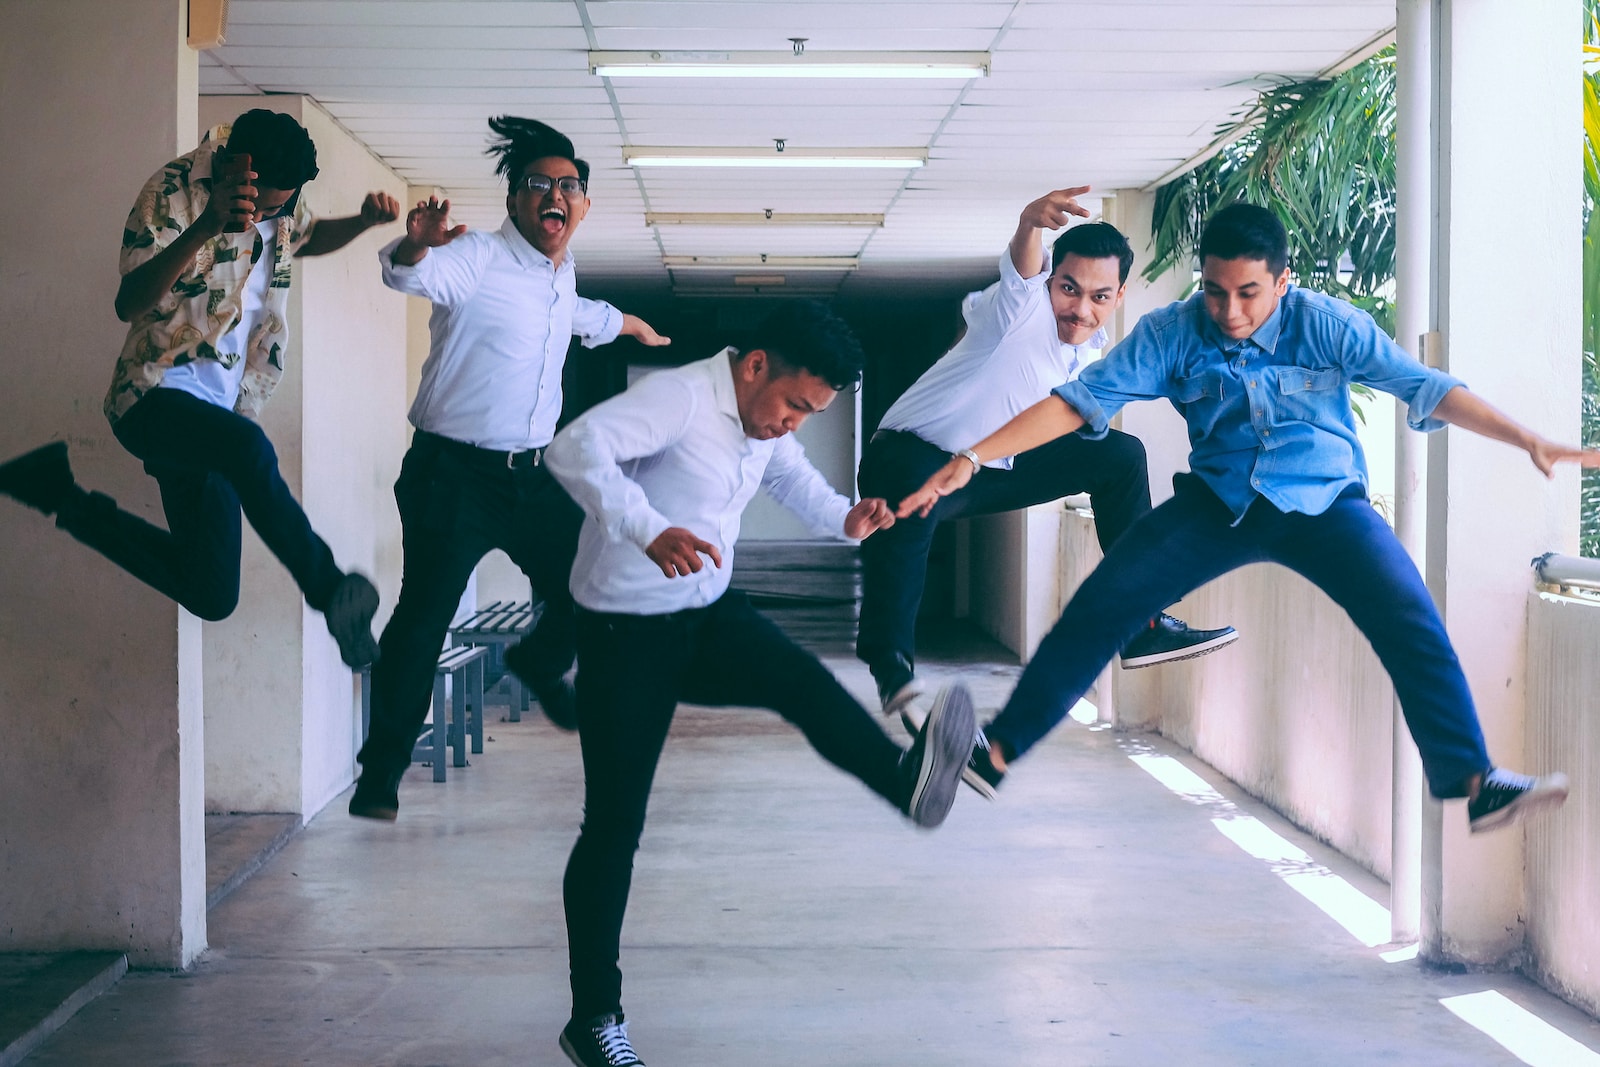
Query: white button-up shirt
x,y
503,315
1009,359
672,451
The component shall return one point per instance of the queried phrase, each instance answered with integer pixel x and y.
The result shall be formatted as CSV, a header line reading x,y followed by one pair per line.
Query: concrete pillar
x,y
1508,280
102,833
282,725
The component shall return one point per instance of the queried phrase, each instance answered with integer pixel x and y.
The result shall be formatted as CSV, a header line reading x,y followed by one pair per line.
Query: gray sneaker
x,y
933,764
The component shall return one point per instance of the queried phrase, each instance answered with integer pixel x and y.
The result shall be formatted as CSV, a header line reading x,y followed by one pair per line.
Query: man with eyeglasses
x,y
205,287
505,306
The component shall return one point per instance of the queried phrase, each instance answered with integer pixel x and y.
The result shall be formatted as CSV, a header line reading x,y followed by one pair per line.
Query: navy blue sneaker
x,y
1167,639
599,1042
1505,797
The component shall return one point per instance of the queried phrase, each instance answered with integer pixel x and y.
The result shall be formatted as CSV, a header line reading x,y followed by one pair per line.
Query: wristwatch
x,y
971,457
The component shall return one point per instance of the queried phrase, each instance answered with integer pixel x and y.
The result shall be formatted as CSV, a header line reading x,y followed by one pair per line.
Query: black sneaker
x,y
556,697
1167,639
377,795
980,772
41,479
600,1042
349,615
1506,797
897,685
932,765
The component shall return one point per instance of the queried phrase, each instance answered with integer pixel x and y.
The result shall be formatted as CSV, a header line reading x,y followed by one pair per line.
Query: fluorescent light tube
x,y
948,65
891,158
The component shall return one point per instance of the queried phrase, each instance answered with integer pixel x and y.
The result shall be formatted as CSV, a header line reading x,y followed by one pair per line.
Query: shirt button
x,y
1252,383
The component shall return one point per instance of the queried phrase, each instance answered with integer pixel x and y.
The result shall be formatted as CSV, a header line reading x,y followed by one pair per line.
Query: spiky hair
x,y
520,141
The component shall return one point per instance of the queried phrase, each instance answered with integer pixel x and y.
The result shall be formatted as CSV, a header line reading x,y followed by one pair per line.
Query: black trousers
x,y
632,672
457,504
210,463
894,562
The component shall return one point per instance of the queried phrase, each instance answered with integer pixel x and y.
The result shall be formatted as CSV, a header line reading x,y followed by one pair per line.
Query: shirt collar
x,y
722,389
1265,337
528,255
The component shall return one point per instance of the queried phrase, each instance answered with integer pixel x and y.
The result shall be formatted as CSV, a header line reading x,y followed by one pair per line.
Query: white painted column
x,y
101,772
1509,293
1414,253
281,733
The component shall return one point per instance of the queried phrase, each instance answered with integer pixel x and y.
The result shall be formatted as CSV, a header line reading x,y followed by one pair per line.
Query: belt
x,y
488,457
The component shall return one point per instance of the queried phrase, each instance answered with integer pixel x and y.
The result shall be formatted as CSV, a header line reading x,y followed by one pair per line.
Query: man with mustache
x,y
505,306
1030,332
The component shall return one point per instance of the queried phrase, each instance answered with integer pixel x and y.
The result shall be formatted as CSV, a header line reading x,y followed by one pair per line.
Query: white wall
x,y
832,443
280,733
101,829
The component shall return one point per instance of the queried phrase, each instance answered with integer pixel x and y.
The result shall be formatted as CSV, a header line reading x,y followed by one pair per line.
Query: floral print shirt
x,y
207,300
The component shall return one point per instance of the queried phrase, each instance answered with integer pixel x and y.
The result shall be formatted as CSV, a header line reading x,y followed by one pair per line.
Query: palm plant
x,y
1589,528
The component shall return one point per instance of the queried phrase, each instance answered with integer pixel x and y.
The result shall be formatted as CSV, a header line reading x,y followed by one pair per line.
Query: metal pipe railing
x,y
1573,572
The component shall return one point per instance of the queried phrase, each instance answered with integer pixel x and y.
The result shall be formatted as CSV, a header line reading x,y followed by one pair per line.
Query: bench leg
x,y
441,726
458,716
475,672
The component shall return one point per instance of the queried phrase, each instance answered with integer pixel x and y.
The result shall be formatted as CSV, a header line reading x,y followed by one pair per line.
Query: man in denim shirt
x,y
1260,371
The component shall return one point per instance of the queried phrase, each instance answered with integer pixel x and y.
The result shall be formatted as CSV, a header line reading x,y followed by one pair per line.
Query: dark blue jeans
x,y
1348,552
209,463
894,562
457,504
632,672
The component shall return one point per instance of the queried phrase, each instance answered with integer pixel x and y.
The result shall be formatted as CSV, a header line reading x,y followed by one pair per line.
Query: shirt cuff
x,y
1419,413
607,333
1095,421
644,528
394,272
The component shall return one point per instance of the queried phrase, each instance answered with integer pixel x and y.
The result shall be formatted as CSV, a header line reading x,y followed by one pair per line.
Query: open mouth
x,y
553,220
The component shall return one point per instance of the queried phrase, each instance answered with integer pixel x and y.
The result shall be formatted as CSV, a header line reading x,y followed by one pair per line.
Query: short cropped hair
x,y
806,335
1246,231
520,141
1094,240
281,151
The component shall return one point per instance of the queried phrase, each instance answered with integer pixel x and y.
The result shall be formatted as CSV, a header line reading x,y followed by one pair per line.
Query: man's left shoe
x,y
377,795
1506,797
1167,639
41,479
556,697
980,772
349,615
933,764
599,1042
897,682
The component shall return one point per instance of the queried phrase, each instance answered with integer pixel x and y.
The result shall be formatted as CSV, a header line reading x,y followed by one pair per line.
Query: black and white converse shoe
x,y
897,683
1505,797
599,1042
979,773
932,765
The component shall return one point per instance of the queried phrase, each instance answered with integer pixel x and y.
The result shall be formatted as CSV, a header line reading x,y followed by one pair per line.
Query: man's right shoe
x,y
979,773
349,615
1505,797
932,765
41,479
599,1042
377,796
1169,639
556,697
897,684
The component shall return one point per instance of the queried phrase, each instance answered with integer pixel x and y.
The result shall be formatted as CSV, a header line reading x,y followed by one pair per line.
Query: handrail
x,y
1574,572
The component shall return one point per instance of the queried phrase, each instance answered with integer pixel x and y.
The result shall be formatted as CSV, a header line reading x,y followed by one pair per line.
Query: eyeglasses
x,y
540,184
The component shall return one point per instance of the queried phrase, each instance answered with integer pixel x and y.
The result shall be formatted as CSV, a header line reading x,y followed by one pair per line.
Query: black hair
x,y
806,335
1094,240
1246,231
281,151
521,141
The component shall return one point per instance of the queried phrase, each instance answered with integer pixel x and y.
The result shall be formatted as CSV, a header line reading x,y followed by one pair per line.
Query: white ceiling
x,y
1111,93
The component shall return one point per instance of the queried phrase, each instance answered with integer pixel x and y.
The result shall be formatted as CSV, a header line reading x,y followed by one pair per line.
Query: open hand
x,y
944,481
641,331
428,224
1546,454
677,552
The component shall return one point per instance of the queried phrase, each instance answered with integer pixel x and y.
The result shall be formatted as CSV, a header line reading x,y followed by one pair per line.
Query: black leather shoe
x,y
377,796
556,697
41,479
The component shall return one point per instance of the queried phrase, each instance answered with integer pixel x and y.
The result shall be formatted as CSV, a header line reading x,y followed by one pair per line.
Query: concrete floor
x,y
781,915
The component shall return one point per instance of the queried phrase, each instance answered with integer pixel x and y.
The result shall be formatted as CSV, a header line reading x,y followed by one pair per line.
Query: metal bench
x,y
458,716
496,628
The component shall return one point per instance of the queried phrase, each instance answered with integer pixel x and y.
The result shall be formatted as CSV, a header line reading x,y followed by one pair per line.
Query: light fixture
x,y
760,218
782,156
762,261
759,279
796,64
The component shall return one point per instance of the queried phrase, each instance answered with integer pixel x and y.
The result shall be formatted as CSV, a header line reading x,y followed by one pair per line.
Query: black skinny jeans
x,y
210,463
632,672
894,562
457,504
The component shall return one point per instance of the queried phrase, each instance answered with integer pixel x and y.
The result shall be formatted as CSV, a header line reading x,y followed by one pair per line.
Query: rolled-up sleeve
x,y
595,322
1372,358
587,456
447,275
1138,368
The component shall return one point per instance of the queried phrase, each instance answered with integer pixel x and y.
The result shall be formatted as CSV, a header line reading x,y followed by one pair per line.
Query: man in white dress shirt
x,y
663,473
1031,331
505,307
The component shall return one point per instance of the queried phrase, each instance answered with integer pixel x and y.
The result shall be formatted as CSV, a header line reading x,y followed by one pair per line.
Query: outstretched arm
x,y
1050,212
330,235
641,331
1047,420
1461,407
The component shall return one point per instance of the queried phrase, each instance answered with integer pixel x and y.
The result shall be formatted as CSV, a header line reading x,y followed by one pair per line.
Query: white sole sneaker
x,y
947,745
1177,655
902,697
1548,792
912,717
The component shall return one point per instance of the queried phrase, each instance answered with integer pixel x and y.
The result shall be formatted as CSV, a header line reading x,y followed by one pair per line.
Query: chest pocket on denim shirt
x,y
1199,400
1306,395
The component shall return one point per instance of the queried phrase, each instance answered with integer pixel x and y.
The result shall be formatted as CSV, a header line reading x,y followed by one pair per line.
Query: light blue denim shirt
x,y
1269,415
